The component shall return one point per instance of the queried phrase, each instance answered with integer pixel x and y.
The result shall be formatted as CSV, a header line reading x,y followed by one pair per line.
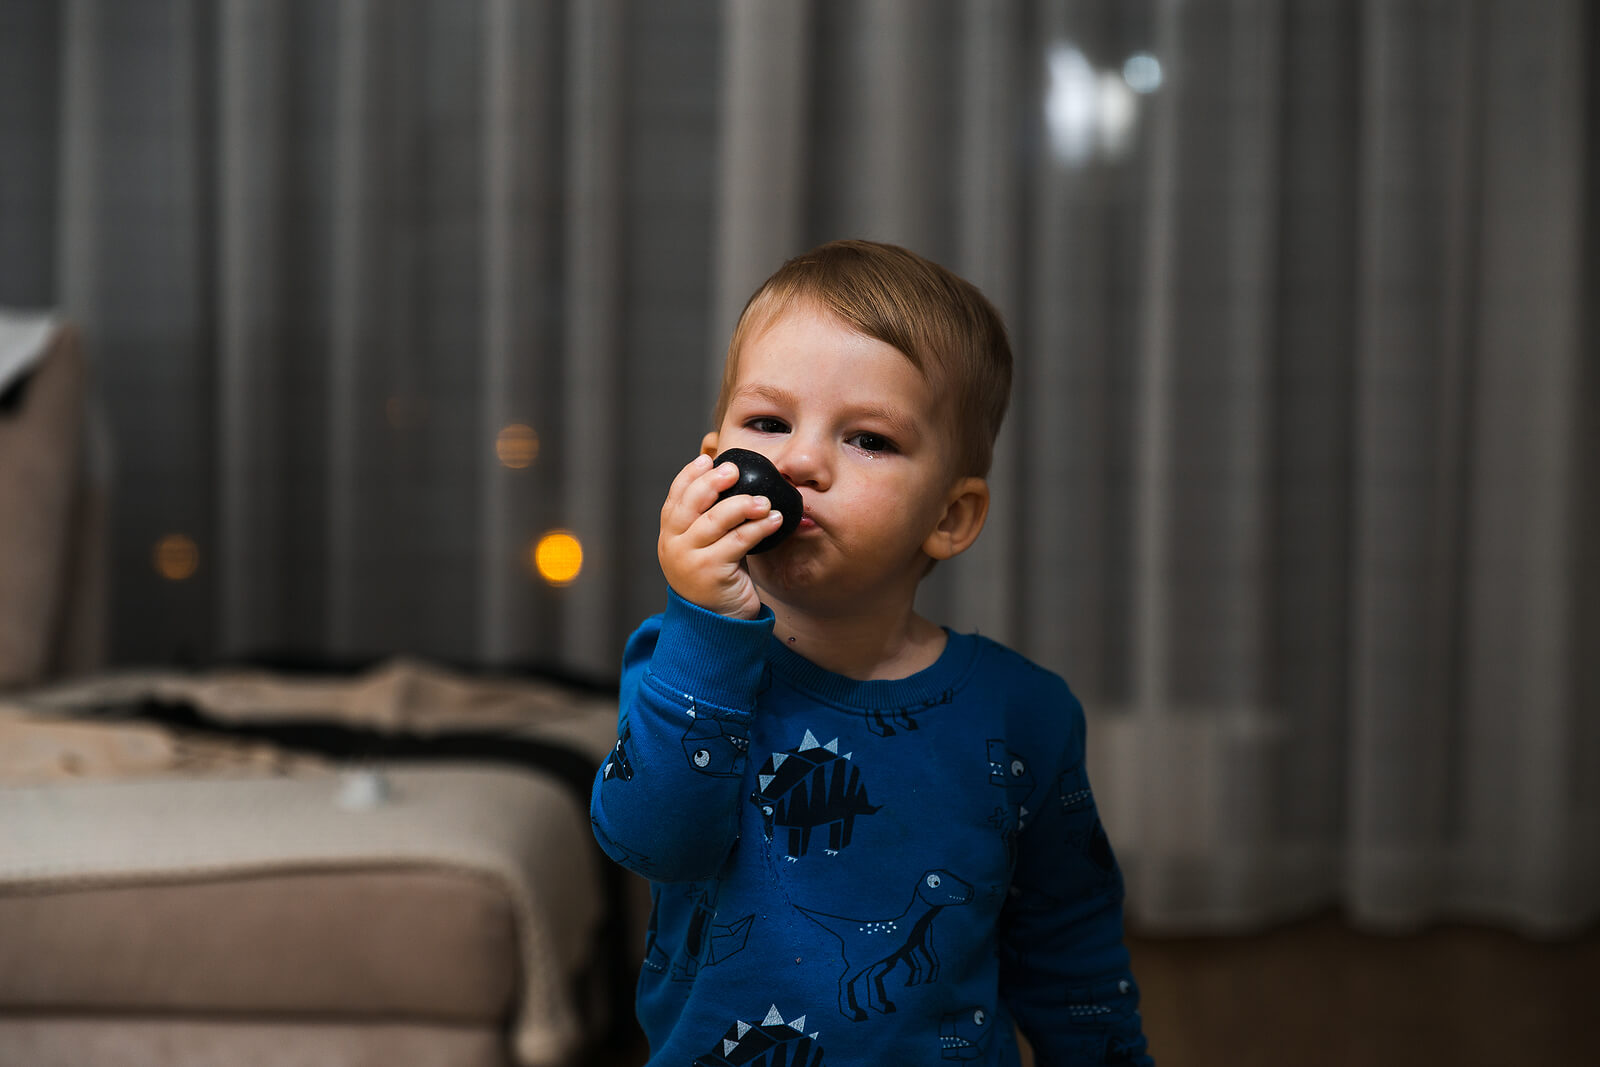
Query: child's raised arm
x,y
666,802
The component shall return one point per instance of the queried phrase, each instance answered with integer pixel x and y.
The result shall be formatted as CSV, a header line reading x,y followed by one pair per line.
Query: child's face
x,y
857,429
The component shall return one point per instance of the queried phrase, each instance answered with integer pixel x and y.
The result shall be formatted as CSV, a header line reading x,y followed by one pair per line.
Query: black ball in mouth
x,y
758,477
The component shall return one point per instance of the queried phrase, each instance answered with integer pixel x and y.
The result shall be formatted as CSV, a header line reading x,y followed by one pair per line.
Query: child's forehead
x,y
803,313
805,347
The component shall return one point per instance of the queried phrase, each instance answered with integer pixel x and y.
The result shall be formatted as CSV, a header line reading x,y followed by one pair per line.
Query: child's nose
x,y
801,461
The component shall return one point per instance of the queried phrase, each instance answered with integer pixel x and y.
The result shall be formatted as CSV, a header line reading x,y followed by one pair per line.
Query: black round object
x,y
758,477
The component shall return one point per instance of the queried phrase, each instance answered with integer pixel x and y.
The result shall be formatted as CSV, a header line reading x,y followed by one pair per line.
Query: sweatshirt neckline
x,y
933,684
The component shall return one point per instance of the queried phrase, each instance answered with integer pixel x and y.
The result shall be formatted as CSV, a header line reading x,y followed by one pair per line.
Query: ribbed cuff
x,y
711,658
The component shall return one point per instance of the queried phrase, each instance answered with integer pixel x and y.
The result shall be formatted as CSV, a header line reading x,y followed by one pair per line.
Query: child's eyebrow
x,y
766,394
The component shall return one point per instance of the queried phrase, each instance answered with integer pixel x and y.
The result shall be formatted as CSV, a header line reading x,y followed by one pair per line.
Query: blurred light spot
x,y
558,557
517,446
1069,104
1142,72
176,557
1117,109
1088,113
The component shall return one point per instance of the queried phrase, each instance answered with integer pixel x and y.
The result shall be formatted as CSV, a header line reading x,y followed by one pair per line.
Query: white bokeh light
x,y
1142,72
1088,112
1070,105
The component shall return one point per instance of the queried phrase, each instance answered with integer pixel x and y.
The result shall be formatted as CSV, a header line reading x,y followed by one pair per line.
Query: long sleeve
x,y
665,804
1064,968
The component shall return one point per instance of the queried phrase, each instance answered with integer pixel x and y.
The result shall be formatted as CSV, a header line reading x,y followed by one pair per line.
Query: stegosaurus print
x,y
769,1043
810,787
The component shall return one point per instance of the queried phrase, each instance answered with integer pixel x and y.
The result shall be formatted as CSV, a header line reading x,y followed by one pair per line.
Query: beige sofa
x,y
260,867
257,868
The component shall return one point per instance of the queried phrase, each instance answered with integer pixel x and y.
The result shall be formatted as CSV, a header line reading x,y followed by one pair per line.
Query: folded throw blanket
x,y
150,777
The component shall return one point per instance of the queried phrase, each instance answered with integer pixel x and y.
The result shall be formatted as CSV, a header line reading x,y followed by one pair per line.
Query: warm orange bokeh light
x,y
517,446
558,557
176,557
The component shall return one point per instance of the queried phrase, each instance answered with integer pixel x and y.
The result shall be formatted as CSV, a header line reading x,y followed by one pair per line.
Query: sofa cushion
x,y
425,944
75,1042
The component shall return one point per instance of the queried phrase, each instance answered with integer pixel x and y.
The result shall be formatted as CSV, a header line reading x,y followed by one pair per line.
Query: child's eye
x,y
767,424
872,442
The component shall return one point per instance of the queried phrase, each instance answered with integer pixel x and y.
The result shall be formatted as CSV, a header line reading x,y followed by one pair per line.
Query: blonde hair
x,y
941,322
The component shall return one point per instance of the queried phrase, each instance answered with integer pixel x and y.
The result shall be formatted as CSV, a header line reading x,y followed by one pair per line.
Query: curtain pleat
x,y
521,351
1520,645
252,477
989,70
594,276
82,69
901,154
760,213
364,299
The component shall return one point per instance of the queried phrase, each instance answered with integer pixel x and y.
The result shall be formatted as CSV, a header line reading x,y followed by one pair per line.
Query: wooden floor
x,y
1317,994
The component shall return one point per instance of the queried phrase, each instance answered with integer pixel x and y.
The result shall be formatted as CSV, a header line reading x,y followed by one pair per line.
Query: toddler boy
x,y
870,840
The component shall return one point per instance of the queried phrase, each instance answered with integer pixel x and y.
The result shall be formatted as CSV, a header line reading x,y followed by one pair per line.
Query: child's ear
x,y
966,507
708,445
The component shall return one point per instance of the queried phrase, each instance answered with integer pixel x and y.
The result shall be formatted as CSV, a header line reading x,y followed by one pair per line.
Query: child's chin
x,y
789,566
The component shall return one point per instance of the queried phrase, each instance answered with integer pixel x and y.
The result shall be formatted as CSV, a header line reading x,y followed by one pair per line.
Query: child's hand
x,y
703,541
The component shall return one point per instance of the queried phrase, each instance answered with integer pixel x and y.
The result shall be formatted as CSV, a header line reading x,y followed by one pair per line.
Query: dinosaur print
x,y
655,957
1072,791
712,750
707,942
618,765
769,1043
882,721
710,942
809,787
888,944
1083,830
1010,772
1106,1027
964,1035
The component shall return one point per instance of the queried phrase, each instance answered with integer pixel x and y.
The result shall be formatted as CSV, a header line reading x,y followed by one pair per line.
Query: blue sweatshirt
x,y
846,872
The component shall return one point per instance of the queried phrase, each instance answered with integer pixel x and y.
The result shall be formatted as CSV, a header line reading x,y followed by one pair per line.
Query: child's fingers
x,y
752,532
704,538
684,478
693,491
727,516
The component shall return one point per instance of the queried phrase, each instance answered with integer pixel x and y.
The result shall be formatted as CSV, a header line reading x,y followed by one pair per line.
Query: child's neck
x,y
866,647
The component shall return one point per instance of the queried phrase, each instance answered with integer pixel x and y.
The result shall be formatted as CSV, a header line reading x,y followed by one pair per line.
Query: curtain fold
x,y
595,244
760,195
989,65
252,127
1295,488
521,362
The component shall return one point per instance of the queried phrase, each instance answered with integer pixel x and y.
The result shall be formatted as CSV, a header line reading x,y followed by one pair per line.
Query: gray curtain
x,y
1296,488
